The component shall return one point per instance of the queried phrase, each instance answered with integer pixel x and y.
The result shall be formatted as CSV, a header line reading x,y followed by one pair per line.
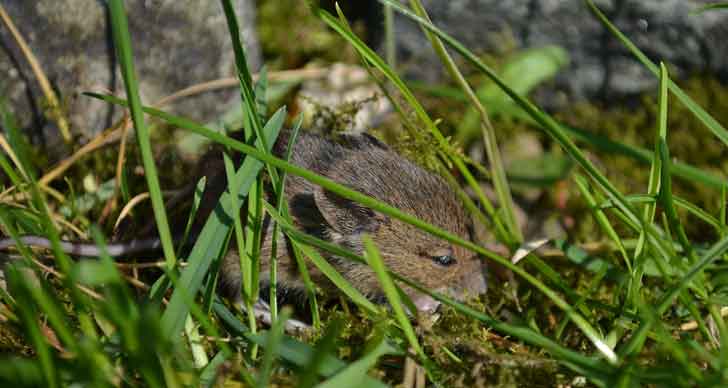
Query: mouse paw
x,y
261,310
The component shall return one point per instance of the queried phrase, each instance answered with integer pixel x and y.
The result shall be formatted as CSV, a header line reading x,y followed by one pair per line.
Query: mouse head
x,y
406,250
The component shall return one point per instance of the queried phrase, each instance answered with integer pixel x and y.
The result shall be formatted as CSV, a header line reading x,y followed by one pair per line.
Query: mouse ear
x,y
346,216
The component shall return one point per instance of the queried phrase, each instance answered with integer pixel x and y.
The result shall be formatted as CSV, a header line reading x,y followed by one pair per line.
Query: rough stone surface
x,y
600,65
176,43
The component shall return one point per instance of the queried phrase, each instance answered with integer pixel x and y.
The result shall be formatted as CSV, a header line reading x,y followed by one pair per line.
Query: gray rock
x,y
354,102
176,43
600,65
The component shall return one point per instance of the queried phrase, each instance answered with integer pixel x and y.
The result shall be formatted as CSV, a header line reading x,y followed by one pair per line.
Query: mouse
x,y
369,166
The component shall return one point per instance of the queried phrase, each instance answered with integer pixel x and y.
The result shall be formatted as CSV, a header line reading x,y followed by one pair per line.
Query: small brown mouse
x,y
364,164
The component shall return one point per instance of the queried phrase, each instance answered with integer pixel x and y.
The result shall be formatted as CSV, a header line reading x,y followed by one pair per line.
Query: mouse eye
x,y
444,260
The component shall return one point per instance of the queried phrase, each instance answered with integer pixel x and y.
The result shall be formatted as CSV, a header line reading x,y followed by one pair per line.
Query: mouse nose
x,y
475,283
471,284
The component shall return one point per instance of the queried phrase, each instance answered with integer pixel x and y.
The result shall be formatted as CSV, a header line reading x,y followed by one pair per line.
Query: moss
x,y
13,342
290,44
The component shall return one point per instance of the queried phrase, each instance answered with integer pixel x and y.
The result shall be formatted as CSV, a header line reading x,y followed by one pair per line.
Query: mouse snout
x,y
470,285
475,283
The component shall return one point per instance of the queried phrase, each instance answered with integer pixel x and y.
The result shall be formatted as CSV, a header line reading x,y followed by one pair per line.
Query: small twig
x,y
420,377
134,282
146,265
68,225
59,275
211,338
692,325
222,83
120,161
138,199
410,370
137,283
129,206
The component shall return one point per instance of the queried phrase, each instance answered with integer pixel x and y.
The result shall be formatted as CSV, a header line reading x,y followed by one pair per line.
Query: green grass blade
x,y
273,268
272,343
261,90
723,211
7,123
208,375
243,243
22,372
354,373
250,102
197,350
666,199
323,349
10,171
698,212
29,317
375,263
196,198
497,171
336,278
212,238
602,219
656,170
709,7
17,142
648,211
241,64
665,178
308,285
122,42
678,201
279,190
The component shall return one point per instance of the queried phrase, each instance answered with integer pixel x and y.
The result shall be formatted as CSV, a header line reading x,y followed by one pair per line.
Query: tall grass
x,y
88,328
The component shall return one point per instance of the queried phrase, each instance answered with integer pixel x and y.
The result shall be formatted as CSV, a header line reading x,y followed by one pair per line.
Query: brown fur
x,y
368,166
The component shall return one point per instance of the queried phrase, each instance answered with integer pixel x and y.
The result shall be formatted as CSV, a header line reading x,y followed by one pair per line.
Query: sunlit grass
x,y
85,326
